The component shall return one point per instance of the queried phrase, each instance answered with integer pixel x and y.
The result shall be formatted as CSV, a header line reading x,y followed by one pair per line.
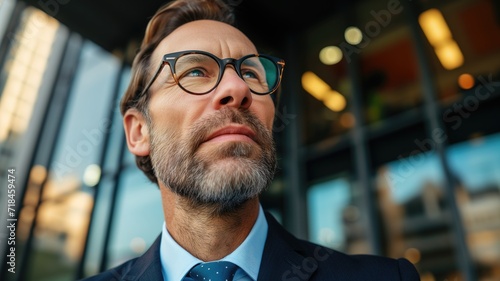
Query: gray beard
x,y
220,179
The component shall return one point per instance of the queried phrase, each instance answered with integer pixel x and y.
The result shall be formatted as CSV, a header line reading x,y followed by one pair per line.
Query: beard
x,y
220,177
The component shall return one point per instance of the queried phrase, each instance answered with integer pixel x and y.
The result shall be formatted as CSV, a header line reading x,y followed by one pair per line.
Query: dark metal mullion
x,y
101,162
61,93
117,179
362,160
435,123
361,154
295,210
10,33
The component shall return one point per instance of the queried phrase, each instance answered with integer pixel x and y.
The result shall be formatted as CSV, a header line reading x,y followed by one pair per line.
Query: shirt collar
x,y
176,261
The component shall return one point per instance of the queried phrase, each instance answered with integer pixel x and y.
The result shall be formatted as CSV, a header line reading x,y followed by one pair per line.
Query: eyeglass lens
x,y
199,73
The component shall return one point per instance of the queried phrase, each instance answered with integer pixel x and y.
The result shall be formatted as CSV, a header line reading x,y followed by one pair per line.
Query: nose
x,y
232,91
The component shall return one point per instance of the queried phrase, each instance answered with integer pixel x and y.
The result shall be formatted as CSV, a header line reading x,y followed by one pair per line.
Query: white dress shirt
x,y
176,261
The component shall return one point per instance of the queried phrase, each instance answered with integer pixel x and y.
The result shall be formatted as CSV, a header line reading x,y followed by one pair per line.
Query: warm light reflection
x,y
38,174
63,217
353,35
439,35
92,175
330,55
323,92
26,217
55,189
347,120
427,277
413,255
449,55
77,208
434,26
466,81
32,47
335,101
314,85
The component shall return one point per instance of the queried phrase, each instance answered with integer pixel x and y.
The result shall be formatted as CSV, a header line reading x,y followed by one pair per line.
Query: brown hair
x,y
165,21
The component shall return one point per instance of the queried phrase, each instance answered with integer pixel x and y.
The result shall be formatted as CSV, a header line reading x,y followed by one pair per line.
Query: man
x,y
198,115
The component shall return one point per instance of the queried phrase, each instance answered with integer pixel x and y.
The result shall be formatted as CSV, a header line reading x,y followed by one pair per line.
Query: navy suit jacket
x,y
285,258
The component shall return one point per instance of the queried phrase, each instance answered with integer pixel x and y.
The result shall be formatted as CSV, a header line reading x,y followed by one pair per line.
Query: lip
x,y
232,133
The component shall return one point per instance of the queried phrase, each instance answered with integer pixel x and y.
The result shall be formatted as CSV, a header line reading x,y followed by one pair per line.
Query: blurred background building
x,y
388,131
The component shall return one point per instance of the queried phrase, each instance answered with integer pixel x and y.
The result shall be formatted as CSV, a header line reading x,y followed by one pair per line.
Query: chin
x,y
222,208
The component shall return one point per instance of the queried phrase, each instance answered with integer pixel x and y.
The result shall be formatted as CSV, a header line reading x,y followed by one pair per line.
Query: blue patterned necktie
x,y
212,271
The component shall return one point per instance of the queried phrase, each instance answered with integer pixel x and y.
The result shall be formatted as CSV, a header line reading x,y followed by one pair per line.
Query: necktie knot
x,y
213,271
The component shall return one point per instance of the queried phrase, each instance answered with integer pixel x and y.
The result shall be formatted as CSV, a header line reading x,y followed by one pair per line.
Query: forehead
x,y
218,38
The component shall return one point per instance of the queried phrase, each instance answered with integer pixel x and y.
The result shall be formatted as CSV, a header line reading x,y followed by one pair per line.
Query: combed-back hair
x,y
168,18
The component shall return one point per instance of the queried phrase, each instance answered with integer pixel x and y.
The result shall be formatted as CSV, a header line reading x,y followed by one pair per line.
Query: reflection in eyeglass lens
x,y
198,73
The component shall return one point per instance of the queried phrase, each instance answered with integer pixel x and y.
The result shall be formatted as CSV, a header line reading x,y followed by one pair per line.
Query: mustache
x,y
201,129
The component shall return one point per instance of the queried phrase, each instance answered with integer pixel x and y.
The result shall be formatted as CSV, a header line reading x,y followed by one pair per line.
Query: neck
x,y
205,235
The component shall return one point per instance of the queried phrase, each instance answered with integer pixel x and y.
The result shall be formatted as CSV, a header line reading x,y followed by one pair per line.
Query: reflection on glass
x,y
322,91
439,35
92,175
390,79
353,35
26,67
476,166
330,55
334,220
62,221
326,84
138,218
474,25
415,217
66,201
466,81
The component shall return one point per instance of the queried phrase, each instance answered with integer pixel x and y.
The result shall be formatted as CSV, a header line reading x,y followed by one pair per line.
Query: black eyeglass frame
x,y
172,58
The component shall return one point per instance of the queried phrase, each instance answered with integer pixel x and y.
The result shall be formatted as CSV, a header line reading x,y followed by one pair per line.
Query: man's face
x,y
214,149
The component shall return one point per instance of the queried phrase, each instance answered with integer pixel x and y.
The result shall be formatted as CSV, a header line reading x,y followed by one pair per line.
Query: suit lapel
x,y
281,260
148,266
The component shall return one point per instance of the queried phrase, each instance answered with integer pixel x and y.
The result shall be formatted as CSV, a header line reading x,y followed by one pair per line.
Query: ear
x,y
136,132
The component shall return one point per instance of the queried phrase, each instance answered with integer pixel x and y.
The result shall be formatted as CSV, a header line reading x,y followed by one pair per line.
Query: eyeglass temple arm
x,y
148,85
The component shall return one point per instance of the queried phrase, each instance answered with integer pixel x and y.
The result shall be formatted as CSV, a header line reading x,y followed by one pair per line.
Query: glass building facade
x,y
388,135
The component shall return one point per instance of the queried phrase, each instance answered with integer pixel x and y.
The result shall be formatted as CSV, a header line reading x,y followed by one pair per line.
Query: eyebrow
x,y
195,58
254,63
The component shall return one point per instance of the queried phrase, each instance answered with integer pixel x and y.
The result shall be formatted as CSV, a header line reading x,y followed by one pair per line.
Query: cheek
x,y
174,111
265,111
270,119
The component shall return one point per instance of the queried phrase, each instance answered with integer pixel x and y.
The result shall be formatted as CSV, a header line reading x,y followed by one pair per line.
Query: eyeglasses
x,y
199,72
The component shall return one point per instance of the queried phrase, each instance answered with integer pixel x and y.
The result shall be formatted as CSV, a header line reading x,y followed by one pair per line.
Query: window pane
x,y
476,166
138,218
326,83
329,204
63,215
6,7
336,217
474,29
389,72
26,75
415,216
116,129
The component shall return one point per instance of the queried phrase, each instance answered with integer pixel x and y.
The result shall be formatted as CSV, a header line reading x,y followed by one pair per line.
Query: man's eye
x,y
195,73
249,74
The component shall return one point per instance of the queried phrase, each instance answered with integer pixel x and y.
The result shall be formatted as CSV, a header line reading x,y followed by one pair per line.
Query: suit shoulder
x,y
357,267
113,274
323,263
145,267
